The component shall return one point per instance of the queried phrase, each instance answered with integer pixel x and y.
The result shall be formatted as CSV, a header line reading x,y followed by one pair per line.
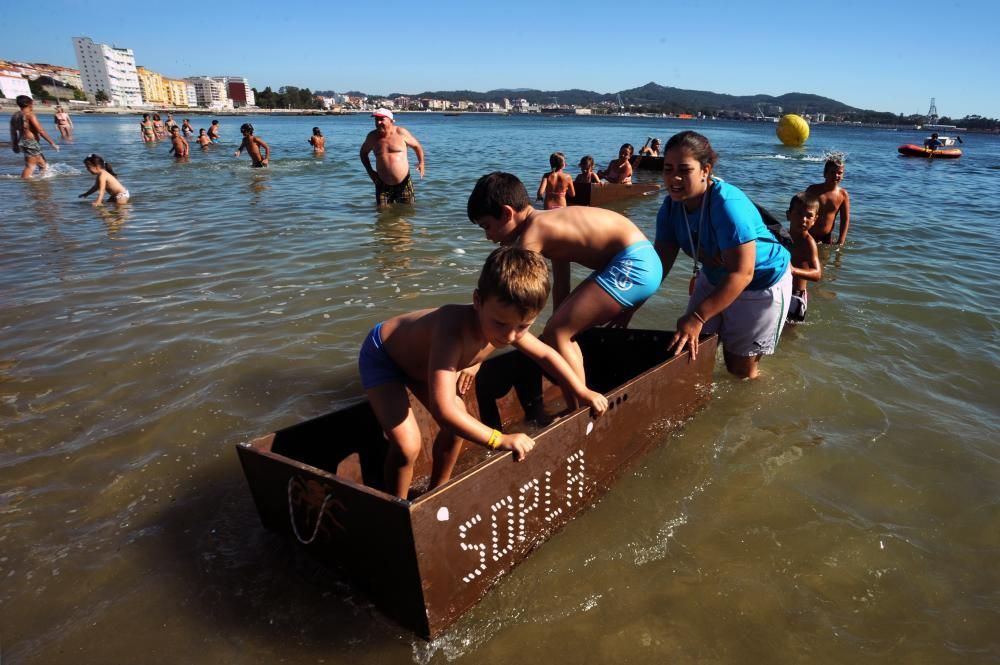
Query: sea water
x,y
843,508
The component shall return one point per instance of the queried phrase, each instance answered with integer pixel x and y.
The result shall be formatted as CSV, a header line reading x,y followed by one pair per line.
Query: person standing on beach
x,y
64,124
24,133
391,174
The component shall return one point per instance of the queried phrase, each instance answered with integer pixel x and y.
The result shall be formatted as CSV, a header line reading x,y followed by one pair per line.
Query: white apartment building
x,y
110,69
13,84
210,93
238,89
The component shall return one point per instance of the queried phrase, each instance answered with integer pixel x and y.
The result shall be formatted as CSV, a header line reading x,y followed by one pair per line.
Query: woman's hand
x,y
688,330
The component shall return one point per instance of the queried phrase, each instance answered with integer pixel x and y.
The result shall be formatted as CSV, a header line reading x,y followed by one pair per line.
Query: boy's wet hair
x,y
246,127
517,277
696,144
807,201
631,148
557,161
316,132
587,163
494,191
23,101
834,159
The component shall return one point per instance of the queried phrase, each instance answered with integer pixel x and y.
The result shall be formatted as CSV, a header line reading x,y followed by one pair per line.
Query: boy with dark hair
x,y
253,144
25,129
626,268
833,200
802,213
425,351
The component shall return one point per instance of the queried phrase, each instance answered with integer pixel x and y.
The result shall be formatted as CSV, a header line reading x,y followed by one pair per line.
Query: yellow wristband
x,y
494,441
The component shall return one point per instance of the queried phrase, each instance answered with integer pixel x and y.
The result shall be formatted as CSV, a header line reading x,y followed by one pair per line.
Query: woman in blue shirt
x,y
742,284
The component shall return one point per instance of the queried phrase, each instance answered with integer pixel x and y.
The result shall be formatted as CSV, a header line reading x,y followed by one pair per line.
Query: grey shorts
x,y
752,324
30,148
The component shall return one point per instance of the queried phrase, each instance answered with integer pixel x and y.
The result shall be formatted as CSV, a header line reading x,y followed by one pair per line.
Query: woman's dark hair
x,y
316,132
696,144
93,159
557,161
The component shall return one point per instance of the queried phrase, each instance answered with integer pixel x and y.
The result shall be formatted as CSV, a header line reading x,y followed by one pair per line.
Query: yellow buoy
x,y
793,130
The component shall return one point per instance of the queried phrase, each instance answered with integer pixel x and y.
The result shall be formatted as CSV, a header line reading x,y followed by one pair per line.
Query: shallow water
x,y
844,508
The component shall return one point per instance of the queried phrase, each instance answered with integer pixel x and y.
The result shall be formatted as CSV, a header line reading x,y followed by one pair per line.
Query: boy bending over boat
x,y
425,351
626,268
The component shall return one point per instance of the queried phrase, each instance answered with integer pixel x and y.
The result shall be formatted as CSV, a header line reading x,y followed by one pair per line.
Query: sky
x,y
871,54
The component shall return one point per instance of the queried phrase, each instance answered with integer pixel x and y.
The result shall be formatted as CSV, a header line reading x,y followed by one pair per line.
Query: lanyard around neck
x,y
687,225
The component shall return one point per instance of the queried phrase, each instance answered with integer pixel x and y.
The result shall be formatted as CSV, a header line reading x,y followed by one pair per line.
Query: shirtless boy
x,y
25,131
626,268
620,170
425,351
391,174
213,131
180,148
802,213
203,139
833,200
253,144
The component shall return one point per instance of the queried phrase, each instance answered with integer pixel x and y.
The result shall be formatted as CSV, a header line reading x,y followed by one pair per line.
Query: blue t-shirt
x,y
732,221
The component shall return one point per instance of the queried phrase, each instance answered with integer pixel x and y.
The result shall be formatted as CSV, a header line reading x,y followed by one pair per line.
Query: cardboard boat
x,y
425,562
914,150
588,194
647,163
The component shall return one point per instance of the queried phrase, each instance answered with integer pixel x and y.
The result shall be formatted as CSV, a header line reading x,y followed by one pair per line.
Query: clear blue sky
x,y
887,56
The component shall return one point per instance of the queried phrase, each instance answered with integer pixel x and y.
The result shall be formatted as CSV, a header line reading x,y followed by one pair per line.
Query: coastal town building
x,y
210,93
108,69
180,93
238,90
13,83
153,87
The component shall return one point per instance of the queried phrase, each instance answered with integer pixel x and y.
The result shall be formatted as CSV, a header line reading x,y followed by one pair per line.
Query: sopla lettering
x,y
509,521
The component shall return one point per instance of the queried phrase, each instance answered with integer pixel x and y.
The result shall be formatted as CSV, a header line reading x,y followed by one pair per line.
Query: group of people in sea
x,y
745,285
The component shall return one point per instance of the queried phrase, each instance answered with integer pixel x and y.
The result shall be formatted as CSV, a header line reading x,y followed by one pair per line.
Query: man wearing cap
x,y
391,174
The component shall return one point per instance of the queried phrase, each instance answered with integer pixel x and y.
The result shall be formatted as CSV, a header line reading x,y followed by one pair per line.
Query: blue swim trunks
x,y
374,363
633,275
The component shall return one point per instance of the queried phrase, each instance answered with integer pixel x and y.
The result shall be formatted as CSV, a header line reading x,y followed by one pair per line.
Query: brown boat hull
x,y
601,195
426,562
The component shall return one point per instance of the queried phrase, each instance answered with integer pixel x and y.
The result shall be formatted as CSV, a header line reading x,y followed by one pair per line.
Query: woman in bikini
x,y
555,184
146,130
620,170
64,124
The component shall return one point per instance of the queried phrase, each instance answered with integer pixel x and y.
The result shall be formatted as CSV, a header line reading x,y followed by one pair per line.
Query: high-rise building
x,y
210,92
153,87
177,93
238,89
108,69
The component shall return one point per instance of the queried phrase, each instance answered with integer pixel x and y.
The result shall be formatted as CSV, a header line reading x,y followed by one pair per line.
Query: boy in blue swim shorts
x,y
426,350
626,268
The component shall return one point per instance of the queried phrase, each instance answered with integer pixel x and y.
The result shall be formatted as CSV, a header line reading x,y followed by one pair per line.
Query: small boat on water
x,y
945,151
588,194
427,561
647,162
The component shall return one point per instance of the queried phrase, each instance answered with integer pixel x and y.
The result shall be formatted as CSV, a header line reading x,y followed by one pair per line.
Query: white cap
x,y
382,113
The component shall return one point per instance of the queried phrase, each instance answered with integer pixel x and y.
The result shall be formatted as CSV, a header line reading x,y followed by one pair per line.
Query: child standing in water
x,y
802,213
555,184
833,200
180,148
146,130
253,144
106,181
187,128
317,141
213,131
203,139
587,175
25,130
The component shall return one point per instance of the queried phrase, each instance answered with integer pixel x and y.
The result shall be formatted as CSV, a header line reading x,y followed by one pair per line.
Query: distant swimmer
x,y
253,145
620,170
106,181
317,141
833,200
25,131
556,185
64,124
180,147
391,174
213,131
